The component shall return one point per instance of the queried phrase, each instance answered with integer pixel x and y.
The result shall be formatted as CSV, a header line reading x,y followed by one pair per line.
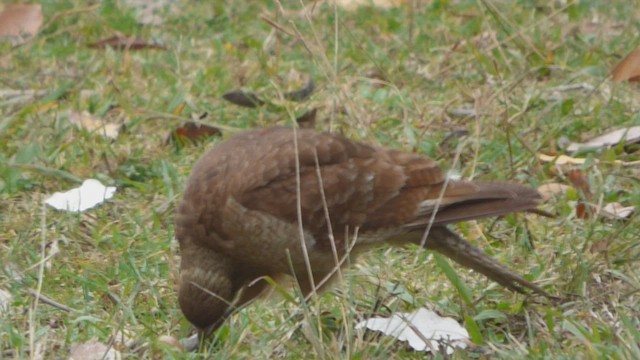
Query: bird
x,y
285,202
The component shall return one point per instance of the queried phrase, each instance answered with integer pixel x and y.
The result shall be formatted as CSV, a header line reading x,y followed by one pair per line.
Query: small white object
x,y
420,325
454,175
79,199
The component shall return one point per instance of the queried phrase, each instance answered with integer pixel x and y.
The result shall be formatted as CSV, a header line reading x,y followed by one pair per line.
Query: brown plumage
x,y
239,219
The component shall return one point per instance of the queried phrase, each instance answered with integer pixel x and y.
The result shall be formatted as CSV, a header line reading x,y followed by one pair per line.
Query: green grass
x,y
390,77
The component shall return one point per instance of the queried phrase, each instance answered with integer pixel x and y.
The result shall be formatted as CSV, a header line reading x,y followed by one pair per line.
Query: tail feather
x,y
463,200
482,208
459,250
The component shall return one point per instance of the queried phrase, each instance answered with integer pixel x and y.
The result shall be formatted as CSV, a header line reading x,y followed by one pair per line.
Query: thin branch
x,y
45,300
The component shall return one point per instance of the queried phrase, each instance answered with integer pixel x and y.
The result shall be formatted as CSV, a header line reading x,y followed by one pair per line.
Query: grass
x,y
394,77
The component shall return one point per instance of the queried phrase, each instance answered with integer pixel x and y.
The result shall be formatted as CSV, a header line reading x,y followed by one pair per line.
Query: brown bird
x,y
254,200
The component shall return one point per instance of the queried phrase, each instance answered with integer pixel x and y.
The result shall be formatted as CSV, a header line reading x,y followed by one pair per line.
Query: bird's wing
x,y
337,179
353,185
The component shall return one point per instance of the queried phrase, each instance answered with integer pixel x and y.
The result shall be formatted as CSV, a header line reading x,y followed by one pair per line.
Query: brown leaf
x,y
454,135
118,42
308,119
244,99
20,21
580,182
629,68
601,246
378,76
611,211
301,94
193,132
92,124
628,135
582,211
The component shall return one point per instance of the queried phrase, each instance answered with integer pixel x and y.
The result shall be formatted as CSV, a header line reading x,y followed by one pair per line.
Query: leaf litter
x,y
19,22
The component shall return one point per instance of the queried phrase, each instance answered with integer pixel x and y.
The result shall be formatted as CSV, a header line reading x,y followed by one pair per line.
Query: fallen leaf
x,y
308,119
580,182
172,341
628,136
118,42
378,76
616,211
93,350
418,326
91,123
179,108
552,189
572,87
598,247
88,195
251,100
302,94
453,135
18,22
354,4
193,132
583,211
561,159
244,99
568,160
611,211
629,68
462,113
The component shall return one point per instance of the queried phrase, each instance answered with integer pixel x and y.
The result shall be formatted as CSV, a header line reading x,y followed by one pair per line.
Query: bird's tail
x,y
459,250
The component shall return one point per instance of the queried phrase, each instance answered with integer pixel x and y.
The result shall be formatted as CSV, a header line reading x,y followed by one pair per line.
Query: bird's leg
x,y
451,245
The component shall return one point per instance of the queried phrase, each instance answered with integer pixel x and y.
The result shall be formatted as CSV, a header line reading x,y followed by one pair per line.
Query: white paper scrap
x,y
418,326
79,199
